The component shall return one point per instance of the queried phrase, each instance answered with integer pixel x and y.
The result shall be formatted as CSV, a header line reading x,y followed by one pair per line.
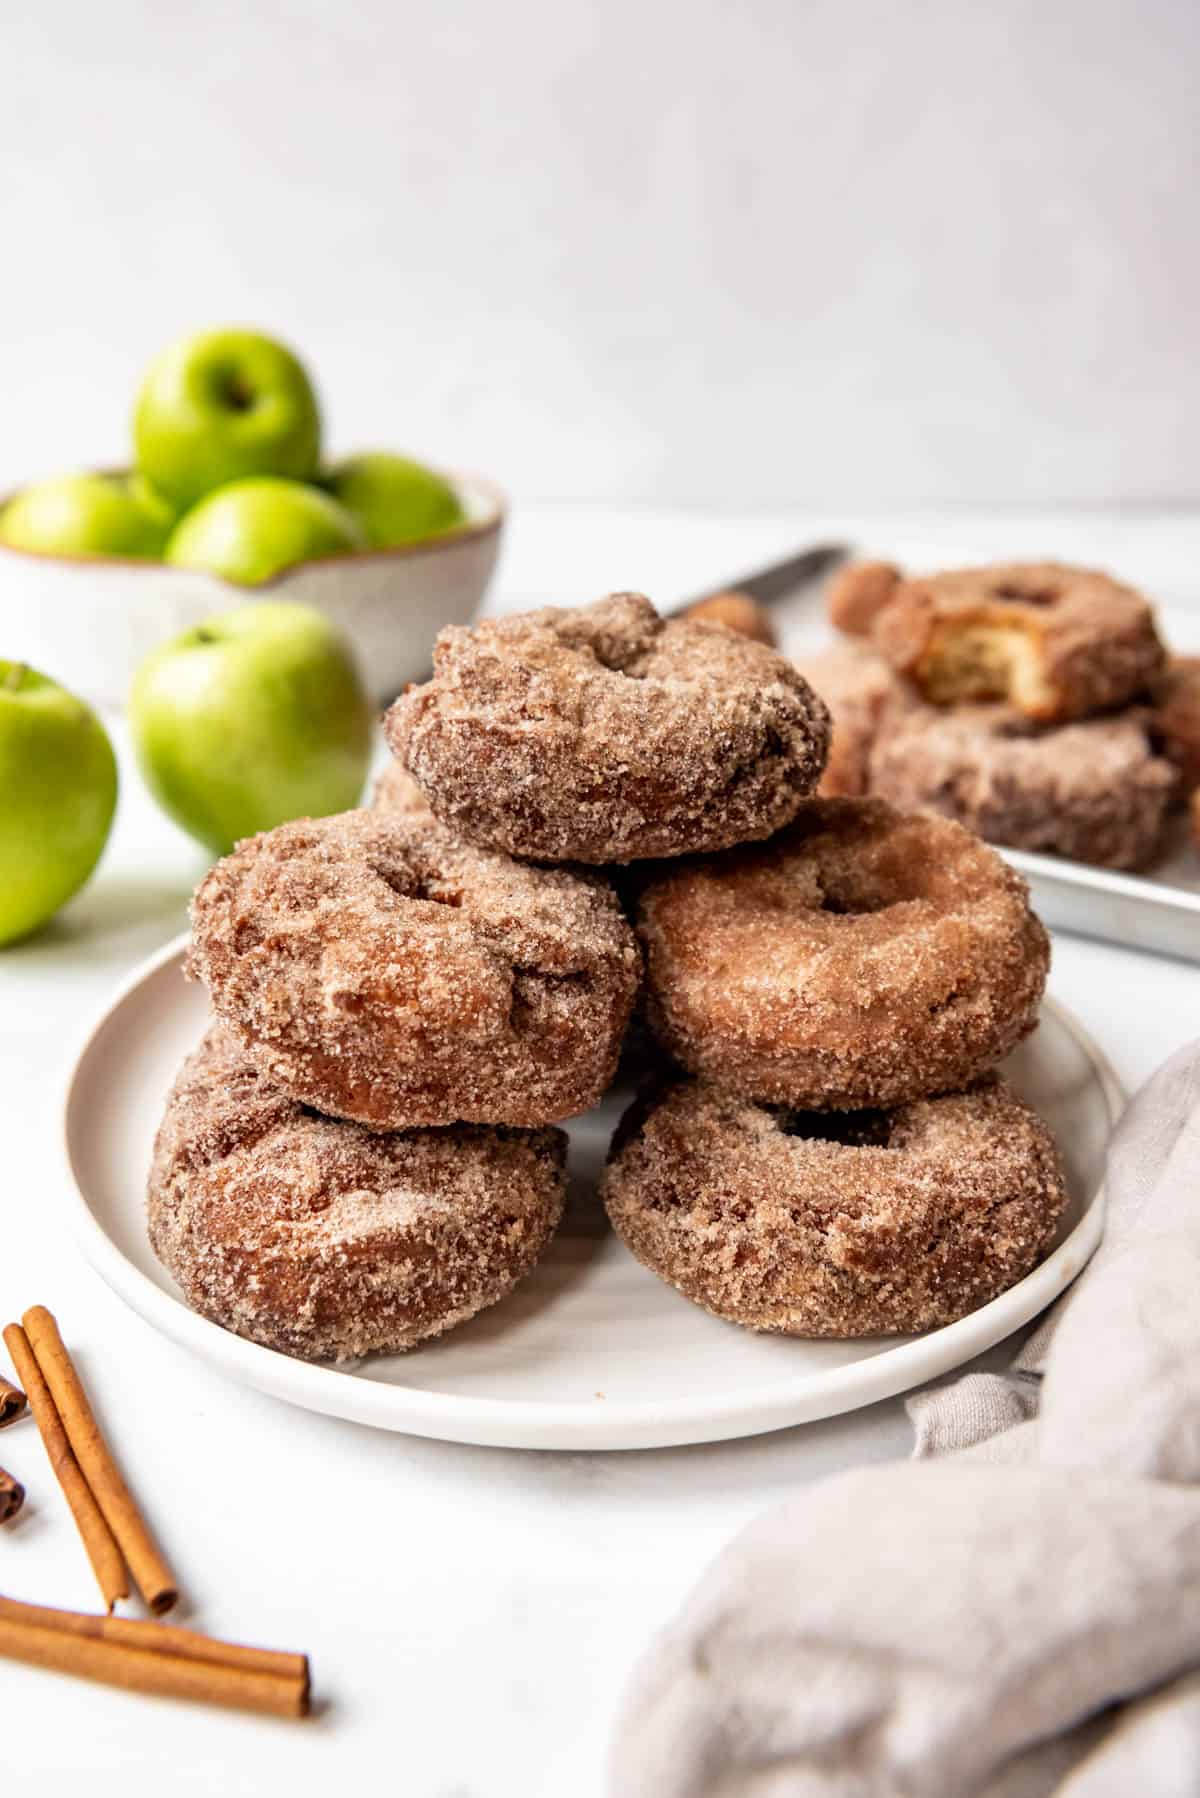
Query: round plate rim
x,y
528,1423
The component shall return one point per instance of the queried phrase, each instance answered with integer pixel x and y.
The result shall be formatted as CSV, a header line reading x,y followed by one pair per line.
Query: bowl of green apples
x,y
229,501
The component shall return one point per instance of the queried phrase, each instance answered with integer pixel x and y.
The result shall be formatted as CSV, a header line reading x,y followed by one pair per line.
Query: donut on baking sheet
x,y
380,969
608,734
325,1240
1094,791
857,594
1175,719
862,957
836,1224
1055,643
861,691
738,612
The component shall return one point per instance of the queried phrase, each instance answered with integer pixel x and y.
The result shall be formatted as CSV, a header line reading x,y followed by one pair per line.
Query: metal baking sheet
x,y
1158,910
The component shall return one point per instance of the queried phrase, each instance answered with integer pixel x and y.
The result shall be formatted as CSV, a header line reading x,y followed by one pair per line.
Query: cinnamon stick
x,y
107,1561
12,1402
138,1669
12,1496
153,1577
164,1638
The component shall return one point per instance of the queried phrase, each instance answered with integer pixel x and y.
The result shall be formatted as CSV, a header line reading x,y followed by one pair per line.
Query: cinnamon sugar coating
x,y
858,593
842,1225
608,734
1054,642
1094,791
862,957
861,691
380,969
322,1239
1175,719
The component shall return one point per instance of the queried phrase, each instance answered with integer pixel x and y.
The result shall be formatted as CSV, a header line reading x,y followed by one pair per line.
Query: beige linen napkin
x,y
952,1629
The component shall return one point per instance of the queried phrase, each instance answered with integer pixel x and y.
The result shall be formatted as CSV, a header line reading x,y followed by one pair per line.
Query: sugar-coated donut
x,y
608,734
323,1239
1175,719
1094,791
861,691
862,957
380,969
1055,643
737,612
858,593
836,1224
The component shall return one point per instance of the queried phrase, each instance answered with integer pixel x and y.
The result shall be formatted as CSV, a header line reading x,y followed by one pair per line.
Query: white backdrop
x,y
723,251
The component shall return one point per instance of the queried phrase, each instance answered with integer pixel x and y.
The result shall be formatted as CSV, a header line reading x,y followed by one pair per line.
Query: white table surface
x,y
471,1613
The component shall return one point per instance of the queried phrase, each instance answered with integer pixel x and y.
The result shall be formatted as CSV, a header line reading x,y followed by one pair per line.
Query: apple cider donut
x,y
1175,719
737,612
861,691
862,957
1094,791
322,1239
858,593
1055,643
836,1224
609,734
380,969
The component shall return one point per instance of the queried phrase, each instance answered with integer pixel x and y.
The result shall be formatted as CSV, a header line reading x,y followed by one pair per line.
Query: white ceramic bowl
x,y
88,621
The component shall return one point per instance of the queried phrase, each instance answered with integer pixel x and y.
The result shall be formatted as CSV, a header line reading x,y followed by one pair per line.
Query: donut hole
x,y
851,904
406,883
1044,593
867,1129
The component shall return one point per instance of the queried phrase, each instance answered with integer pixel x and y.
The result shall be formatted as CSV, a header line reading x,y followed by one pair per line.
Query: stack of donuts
x,y
600,833
1033,702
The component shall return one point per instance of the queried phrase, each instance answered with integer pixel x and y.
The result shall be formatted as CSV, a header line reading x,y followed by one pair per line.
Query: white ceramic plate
x,y
592,1352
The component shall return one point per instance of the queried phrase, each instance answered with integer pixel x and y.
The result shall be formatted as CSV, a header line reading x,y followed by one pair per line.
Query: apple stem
x,y
15,676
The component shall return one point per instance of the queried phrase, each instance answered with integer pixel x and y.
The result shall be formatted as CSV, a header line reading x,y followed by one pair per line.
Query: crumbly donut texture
x,y
862,957
858,593
1175,719
325,1240
380,969
837,1225
1056,643
608,734
1094,791
861,690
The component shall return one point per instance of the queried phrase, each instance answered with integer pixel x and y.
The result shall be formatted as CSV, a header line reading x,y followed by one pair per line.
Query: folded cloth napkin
x,y
955,1629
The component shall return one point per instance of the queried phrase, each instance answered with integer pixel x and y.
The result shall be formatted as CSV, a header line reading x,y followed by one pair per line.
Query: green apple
x,y
58,792
154,502
252,718
220,406
395,499
252,530
86,515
